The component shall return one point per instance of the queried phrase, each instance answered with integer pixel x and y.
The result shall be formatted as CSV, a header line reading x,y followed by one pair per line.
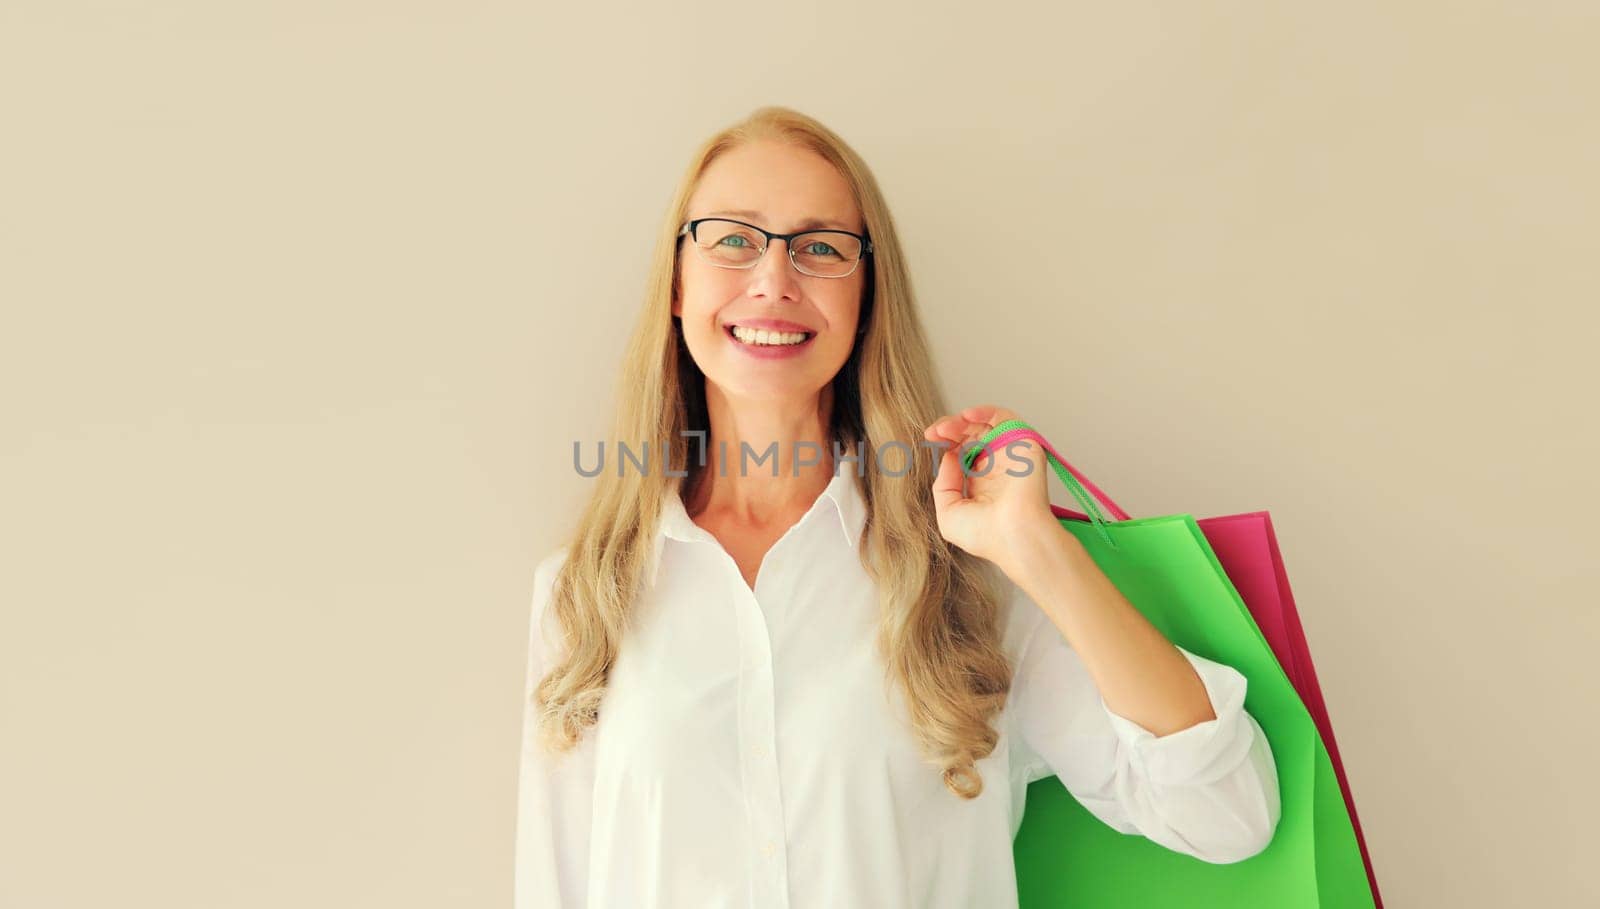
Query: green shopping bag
x,y
1067,857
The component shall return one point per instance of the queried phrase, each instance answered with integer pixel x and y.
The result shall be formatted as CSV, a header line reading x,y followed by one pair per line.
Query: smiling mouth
x,y
761,337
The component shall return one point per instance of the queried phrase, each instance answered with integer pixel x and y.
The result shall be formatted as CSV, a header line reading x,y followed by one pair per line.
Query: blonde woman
x,y
804,660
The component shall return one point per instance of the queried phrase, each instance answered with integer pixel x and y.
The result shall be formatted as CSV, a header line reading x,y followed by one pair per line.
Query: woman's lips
x,y
769,351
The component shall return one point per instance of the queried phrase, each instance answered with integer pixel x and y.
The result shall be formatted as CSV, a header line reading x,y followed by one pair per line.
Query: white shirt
x,y
750,753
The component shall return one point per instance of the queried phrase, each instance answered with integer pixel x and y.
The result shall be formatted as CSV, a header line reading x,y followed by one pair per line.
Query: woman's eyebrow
x,y
807,224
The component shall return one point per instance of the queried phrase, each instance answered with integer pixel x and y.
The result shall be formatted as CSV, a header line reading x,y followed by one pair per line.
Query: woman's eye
x,y
819,248
735,240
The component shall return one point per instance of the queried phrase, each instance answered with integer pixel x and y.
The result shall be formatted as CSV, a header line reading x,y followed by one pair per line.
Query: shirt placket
x,y
758,758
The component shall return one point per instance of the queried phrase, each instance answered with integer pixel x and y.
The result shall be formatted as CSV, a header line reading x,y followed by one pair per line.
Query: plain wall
x,y
303,309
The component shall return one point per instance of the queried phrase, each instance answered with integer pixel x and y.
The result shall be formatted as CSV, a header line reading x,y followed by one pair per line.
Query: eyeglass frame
x,y
689,228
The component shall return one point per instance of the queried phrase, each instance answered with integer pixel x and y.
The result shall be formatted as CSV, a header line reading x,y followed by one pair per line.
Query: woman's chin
x,y
738,384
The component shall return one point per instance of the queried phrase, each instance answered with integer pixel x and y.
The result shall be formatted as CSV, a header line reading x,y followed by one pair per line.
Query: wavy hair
x,y
939,631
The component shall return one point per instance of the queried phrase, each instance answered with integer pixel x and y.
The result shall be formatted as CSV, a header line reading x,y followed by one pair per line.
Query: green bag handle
x,y
1008,431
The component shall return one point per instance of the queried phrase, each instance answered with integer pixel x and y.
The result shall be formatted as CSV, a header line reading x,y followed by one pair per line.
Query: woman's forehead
x,y
781,188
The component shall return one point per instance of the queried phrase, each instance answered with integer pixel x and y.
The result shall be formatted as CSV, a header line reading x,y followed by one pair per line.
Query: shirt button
x,y
758,751
769,849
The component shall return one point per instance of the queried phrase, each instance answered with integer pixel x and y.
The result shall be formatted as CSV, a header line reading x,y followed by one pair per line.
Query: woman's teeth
x,y
761,336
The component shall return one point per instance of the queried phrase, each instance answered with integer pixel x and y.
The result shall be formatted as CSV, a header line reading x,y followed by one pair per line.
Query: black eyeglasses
x,y
727,243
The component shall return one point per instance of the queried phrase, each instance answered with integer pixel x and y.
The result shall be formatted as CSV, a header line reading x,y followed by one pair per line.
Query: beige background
x,y
304,304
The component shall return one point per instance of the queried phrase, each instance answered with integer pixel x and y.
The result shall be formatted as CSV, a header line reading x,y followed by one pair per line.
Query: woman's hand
x,y
1000,515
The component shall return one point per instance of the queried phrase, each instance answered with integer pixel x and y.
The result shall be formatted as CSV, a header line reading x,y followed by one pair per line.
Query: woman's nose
x,y
774,275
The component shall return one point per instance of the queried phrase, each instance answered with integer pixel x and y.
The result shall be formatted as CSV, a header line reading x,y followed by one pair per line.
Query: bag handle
x,y
1082,488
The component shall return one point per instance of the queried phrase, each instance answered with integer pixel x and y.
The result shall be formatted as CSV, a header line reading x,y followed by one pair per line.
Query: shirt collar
x,y
843,491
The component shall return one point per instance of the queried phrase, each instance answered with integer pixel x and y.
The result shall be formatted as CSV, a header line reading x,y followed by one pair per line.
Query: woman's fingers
x,y
956,430
947,483
951,428
989,414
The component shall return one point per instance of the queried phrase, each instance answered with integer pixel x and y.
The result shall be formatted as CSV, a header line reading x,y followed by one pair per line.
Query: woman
x,y
776,670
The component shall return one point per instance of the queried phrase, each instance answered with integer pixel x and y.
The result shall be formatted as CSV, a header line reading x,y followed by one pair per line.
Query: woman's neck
x,y
763,460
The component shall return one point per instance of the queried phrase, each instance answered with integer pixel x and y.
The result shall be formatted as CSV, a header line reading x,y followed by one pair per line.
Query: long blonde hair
x,y
939,632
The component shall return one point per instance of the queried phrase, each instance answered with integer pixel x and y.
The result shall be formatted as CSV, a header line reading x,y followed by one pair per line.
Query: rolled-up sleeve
x,y
554,791
1209,791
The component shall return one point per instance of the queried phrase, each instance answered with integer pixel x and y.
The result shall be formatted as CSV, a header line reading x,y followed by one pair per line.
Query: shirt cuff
x,y
1204,752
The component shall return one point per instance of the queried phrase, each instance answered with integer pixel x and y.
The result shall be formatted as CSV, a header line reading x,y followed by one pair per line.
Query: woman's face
x,y
778,187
